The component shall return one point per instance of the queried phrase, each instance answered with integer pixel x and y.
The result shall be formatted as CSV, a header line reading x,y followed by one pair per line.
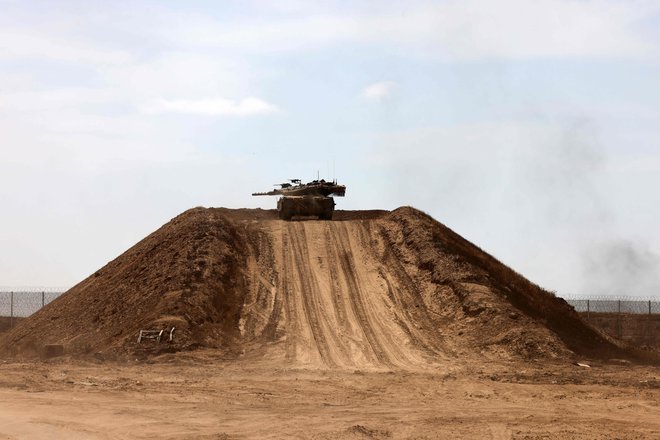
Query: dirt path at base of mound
x,y
335,303
202,399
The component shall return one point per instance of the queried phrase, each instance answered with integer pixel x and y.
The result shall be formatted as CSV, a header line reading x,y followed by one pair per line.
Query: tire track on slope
x,y
310,294
404,291
356,296
328,311
335,290
395,281
260,302
257,307
286,286
269,331
339,300
363,240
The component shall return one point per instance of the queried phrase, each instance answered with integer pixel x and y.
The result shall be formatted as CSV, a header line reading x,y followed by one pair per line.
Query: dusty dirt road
x,y
206,398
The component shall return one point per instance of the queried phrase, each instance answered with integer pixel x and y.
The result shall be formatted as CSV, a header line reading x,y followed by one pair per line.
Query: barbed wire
x,y
33,289
637,307
609,298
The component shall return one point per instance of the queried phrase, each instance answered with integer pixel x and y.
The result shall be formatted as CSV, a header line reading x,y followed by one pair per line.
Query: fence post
x,y
588,315
649,328
43,298
11,309
618,319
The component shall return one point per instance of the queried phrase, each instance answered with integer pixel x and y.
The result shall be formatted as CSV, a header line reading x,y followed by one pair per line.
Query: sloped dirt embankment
x,y
187,274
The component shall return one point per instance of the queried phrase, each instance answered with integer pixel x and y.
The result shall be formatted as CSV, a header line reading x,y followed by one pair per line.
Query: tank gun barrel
x,y
274,192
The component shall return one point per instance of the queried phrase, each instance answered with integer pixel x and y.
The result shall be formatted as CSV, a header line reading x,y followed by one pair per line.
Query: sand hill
x,y
371,289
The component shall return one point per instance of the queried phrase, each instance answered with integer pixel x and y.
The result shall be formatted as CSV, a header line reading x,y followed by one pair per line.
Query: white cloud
x,y
378,91
21,44
451,30
212,107
448,30
181,75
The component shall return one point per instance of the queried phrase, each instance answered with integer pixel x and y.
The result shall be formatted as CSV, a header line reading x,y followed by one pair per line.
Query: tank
x,y
313,199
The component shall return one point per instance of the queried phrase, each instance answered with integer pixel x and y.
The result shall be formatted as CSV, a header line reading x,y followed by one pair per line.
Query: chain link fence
x,y
616,305
16,304
636,320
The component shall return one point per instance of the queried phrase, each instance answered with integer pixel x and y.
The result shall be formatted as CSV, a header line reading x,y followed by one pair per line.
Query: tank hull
x,y
306,206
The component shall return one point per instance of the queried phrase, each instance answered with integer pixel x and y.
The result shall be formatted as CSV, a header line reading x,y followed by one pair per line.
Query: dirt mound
x,y
186,275
6,323
492,305
375,289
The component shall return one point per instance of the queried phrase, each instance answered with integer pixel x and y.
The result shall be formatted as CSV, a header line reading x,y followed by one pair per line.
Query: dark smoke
x,y
569,179
564,175
621,268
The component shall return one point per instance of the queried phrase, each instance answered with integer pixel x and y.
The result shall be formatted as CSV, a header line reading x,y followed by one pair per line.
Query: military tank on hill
x,y
313,199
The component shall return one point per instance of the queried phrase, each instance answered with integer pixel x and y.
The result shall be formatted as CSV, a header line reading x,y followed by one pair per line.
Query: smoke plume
x,y
621,268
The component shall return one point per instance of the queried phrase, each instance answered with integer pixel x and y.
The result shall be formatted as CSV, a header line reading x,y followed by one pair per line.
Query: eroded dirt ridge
x,y
374,289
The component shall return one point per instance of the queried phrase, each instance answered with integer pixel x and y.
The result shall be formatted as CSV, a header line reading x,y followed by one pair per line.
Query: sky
x,y
530,128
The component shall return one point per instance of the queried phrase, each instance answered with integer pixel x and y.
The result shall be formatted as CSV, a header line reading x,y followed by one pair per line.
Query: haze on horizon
x,y
530,128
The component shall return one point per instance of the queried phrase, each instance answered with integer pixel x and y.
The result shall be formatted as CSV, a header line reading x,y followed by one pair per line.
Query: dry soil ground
x,y
202,397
